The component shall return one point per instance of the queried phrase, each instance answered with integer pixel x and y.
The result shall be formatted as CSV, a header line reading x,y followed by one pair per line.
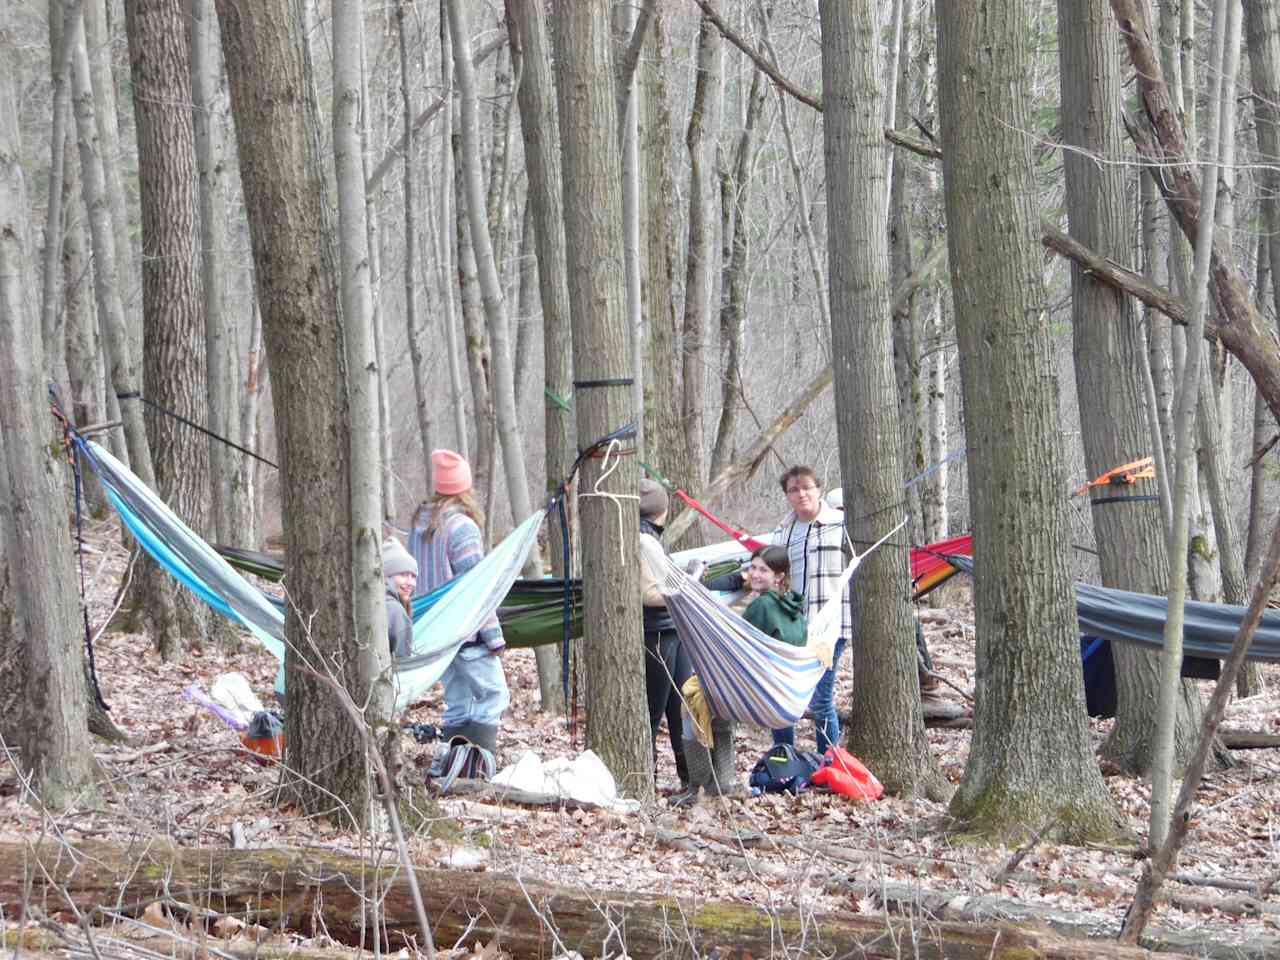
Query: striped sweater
x,y
454,549
818,558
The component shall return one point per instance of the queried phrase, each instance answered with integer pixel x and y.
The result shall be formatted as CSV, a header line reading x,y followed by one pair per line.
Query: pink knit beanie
x,y
453,473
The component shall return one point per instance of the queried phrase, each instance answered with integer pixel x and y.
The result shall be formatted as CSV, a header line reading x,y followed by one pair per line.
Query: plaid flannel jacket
x,y
818,558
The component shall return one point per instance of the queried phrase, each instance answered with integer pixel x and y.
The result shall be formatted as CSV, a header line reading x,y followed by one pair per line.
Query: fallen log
x,y
1248,740
312,891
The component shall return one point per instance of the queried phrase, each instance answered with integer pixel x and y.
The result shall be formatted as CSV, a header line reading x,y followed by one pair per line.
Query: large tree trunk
x,y
222,341
539,129
172,297
269,68
1030,764
618,728
50,737
368,649
318,892
700,138
1108,365
887,728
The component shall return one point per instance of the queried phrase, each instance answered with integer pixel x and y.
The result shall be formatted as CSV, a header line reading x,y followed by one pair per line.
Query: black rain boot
x,y
697,759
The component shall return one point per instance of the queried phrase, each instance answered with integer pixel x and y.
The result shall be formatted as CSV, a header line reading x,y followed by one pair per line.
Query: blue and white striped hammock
x,y
443,619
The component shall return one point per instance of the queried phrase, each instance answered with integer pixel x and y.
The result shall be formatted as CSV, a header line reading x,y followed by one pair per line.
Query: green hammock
x,y
532,614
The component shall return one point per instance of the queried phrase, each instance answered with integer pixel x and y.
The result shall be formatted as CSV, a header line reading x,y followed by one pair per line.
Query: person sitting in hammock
x,y
771,606
401,572
445,541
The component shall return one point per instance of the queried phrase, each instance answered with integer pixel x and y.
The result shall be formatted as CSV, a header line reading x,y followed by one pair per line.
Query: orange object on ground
x,y
264,746
845,774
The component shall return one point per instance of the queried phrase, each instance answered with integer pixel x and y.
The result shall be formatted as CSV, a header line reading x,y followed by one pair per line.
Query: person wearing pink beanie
x,y
445,541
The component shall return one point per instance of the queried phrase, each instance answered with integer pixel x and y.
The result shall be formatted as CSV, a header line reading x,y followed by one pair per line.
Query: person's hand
x,y
696,568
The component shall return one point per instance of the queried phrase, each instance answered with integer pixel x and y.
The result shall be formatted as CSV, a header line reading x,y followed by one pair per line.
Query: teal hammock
x,y
449,616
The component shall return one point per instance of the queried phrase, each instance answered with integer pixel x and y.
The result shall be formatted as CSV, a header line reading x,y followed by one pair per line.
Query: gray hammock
x,y
1209,628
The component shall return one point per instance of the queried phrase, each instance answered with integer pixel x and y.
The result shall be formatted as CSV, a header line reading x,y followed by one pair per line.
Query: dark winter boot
x,y
697,759
481,734
723,773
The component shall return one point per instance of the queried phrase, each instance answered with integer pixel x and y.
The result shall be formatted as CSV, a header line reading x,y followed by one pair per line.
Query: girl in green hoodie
x,y
773,607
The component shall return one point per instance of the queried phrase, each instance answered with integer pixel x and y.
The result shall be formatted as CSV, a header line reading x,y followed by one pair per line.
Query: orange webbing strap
x,y
1143,469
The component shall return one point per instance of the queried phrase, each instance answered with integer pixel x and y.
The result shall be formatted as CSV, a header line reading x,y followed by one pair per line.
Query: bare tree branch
x,y
757,57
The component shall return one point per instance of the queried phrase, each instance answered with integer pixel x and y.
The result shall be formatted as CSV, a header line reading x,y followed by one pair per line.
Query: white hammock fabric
x,y
747,677
824,626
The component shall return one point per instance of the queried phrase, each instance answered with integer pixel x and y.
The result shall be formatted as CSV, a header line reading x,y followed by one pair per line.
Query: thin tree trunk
x,y
445,253
618,729
255,381
413,323
700,137
539,127
52,738
372,655
503,384
624,24
53,319
736,281
221,325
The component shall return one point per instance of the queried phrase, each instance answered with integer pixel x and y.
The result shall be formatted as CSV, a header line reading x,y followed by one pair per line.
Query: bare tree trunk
x,y
539,129
503,385
272,89
53,330
733,311
370,651
221,325
624,24
52,738
124,374
413,323
700,137
172,297
99,45
887,728
255,380
618,729
1030,762
445,253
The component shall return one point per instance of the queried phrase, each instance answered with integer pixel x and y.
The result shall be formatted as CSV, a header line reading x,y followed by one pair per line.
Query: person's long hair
x,y
778,560
442,504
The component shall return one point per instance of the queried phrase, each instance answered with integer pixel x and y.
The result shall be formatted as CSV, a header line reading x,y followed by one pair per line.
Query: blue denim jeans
x,y
826,721
475,688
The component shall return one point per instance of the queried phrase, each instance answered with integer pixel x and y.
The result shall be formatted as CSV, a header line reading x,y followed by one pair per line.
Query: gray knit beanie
x,y
396,559
653,499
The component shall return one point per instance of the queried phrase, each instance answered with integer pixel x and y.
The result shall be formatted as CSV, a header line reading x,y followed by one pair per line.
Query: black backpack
x,y
784,769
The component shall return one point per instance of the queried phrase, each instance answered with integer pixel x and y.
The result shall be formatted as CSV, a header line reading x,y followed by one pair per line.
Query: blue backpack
x,y
785,770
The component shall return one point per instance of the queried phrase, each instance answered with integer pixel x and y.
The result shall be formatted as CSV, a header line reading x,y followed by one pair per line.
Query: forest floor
x,y
183,774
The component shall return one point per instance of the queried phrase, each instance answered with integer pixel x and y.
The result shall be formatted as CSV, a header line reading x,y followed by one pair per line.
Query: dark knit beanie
x,y
653,499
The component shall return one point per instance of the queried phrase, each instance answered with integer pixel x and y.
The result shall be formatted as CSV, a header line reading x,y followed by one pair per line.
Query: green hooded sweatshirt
x,y
781,616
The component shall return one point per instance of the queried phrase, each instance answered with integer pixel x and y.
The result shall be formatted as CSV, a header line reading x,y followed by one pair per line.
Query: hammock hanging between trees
x,y
455,613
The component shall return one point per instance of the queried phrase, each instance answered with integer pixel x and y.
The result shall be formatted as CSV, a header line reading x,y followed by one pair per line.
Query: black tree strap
x,y
135,395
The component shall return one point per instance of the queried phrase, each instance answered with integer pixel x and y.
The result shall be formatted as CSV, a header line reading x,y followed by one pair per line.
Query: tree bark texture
x,y
618,728
1108,353
370,655
700,260
735,193
316,892
1030,763
222,340
539,129
887,729
1162,140
51,738
53,319
269,69
172,295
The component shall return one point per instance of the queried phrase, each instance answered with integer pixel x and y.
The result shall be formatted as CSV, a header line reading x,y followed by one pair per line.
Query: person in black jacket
x,y
666,665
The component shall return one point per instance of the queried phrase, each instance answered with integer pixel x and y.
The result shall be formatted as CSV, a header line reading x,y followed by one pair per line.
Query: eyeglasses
x,y
791,490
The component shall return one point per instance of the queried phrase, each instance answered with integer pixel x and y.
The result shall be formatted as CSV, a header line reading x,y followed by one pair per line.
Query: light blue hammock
x,y
456,613
746,675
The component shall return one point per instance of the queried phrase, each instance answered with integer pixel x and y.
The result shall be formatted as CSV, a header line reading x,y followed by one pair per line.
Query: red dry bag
x,y
845,774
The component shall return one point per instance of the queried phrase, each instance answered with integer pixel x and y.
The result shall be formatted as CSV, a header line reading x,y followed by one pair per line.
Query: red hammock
x,y
742,537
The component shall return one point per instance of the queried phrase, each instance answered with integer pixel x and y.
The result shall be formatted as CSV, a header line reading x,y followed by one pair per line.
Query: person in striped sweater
x,y
446,542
